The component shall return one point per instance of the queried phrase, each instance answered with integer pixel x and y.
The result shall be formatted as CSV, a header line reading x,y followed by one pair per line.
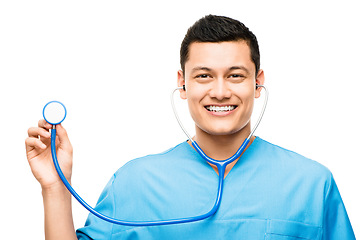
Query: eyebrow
x,y
200,68
239,68
231,68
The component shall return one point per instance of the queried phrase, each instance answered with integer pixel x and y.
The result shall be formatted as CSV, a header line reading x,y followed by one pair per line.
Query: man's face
x,y
220,86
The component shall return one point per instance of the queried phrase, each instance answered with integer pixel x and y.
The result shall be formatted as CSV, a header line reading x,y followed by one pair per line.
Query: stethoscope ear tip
x,y
54,112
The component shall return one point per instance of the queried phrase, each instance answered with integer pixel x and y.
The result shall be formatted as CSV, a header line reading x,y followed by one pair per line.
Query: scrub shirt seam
x,y
114,204
215,220
167,151
114,213
243,156
270,219
148,156
287,235
122,169
325,200
285,149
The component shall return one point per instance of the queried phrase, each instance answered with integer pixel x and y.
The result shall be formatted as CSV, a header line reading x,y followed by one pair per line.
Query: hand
x,y
38,152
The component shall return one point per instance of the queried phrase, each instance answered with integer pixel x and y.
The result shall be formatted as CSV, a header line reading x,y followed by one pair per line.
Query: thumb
x,y
63,138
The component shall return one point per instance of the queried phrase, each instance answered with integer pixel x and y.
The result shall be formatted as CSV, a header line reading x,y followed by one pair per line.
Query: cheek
x,y
195,92
245,94
193,101
195,96
247,99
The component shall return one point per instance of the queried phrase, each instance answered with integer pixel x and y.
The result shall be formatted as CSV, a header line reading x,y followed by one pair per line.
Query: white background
x,y
113,64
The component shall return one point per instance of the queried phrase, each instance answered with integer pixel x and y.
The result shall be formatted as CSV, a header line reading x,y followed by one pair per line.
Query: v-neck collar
x,y
233,169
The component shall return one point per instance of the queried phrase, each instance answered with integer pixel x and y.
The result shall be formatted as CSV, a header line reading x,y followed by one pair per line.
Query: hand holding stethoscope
x,y
38,151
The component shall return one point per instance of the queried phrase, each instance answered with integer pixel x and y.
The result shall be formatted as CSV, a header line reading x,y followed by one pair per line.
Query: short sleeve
x,y
336,223
96,228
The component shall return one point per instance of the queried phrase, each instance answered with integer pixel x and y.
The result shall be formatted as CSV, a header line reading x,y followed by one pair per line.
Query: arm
x,y
58,214
56,198
336,222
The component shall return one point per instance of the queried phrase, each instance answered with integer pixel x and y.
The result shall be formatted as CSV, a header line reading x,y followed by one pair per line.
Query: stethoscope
x,y
55,112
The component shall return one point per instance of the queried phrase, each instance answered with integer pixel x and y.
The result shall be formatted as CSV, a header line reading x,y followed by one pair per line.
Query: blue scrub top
x,y
271,193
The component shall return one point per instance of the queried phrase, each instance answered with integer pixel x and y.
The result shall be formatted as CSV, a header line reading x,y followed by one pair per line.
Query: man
x,y
269,192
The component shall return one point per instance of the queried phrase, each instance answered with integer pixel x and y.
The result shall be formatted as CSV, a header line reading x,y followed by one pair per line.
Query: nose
x,y
220,90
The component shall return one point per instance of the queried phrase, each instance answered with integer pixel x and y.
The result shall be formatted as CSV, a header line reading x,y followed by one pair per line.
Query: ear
x,y
180,83
260,79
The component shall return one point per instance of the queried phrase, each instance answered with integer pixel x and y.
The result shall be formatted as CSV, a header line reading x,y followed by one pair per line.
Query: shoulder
x,y
292,162
153,162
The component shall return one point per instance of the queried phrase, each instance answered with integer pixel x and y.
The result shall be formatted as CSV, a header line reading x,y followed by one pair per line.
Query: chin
x,y
221,131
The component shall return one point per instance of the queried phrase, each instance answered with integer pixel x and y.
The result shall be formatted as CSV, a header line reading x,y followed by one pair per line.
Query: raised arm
x,y
57,200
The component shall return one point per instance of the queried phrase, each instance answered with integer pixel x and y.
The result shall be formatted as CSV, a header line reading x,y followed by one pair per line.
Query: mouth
x,y
214,108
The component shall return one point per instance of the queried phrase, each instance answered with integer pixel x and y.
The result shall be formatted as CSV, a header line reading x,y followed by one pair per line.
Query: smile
x,y
213,108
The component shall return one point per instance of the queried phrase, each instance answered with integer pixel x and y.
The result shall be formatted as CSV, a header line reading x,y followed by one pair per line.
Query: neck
x,y
221,147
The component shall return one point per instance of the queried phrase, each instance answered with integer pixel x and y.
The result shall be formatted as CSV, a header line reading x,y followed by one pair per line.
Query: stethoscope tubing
x,y
123,222
220,164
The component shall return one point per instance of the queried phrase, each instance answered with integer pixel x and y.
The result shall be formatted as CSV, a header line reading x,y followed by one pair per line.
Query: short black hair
x,y
212,28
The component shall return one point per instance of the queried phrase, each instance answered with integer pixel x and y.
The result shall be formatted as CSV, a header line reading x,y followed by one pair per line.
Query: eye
x,y
202,76
236,76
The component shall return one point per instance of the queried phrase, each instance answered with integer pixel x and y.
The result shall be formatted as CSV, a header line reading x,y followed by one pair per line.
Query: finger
x,y
44,124
32,143
36,132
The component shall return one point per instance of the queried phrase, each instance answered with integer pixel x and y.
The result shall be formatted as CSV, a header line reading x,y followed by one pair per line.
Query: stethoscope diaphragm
x,y
54,112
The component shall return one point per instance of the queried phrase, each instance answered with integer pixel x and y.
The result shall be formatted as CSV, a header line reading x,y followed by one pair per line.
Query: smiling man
x,y
221,83
269,192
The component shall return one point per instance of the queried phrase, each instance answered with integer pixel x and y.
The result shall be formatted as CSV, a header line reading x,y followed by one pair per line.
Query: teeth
x,y
220,109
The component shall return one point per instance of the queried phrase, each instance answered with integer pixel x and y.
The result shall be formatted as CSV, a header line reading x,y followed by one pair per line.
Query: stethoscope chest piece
x,y
54,112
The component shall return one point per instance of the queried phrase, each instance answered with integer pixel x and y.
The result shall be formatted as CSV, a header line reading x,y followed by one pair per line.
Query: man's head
x,y
219,29
220,68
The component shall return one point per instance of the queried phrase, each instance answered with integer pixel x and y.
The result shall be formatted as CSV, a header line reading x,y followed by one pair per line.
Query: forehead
x,y
222,55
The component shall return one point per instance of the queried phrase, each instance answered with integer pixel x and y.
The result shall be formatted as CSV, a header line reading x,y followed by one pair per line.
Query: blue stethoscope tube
x,y
122,222
220,164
